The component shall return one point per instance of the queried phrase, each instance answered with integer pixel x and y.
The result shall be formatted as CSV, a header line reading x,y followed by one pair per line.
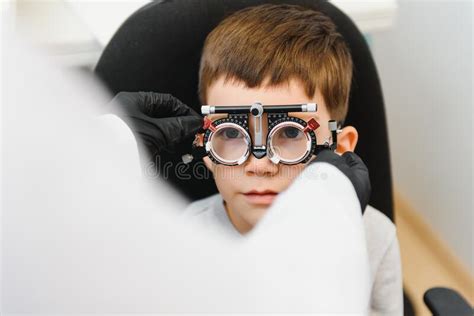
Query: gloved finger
x,y
166,132
159,105
186,125
360,177
125,103
355,162
328,156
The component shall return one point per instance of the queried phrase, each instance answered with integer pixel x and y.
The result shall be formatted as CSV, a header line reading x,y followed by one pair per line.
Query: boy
x,y
285,54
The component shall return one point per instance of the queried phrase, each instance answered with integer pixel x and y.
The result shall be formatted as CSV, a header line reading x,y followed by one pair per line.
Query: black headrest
x,y
158,49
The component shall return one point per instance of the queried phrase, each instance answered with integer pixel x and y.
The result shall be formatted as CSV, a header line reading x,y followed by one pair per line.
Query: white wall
x,y
425,64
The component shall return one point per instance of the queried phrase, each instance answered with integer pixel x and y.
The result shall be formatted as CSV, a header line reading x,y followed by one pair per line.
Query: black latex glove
x,y
158,120
354,168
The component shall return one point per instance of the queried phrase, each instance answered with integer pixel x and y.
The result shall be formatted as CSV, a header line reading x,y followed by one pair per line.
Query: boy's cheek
x,y
233,178
289,173
230,176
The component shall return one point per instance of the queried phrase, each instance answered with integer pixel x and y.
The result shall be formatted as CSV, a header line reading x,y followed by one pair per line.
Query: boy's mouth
x,y
260,197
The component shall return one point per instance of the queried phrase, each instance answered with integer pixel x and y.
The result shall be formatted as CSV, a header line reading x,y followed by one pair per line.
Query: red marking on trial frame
x,y
312,125
208,124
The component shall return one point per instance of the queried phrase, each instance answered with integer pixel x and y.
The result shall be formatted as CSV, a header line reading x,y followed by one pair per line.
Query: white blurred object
x,y
119,133
83,234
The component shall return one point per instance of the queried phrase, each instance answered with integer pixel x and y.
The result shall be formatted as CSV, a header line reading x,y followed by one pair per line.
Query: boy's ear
x,y
347,139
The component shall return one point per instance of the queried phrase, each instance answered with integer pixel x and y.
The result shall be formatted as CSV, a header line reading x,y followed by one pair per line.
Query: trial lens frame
x,y
276,114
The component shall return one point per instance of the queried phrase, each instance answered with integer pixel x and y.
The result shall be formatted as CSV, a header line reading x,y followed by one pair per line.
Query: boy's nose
x,y
262,167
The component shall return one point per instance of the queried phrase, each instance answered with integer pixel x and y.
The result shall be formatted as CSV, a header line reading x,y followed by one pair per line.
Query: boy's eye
x,y
232,133
291,132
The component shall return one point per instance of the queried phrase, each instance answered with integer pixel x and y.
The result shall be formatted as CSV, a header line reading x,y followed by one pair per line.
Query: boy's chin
x,y
253,213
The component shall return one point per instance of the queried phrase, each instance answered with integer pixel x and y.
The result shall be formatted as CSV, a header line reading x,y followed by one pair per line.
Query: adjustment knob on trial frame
x,y
256,109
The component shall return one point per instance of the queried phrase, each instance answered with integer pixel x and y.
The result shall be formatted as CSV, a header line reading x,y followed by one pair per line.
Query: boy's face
x,y
249,189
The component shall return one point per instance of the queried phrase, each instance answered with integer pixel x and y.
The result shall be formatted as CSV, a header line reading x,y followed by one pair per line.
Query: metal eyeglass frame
x,y
240,115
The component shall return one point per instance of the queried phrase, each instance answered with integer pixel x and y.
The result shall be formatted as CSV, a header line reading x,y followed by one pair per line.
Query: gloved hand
x,y
354,168
158,120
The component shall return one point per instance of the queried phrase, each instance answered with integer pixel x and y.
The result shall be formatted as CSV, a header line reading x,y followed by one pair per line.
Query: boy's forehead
x,y
233,92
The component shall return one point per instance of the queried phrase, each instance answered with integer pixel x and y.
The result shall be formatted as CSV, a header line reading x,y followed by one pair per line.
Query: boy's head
x,y
274,54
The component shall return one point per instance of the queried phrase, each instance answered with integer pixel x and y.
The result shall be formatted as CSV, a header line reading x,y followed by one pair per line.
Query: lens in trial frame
x,y
229,144
288,143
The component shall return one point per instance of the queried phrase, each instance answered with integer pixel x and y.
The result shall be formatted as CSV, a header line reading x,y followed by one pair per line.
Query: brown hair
x,y
280,42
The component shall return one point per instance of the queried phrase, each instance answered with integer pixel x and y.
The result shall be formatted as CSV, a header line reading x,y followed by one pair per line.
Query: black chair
x,y
158,48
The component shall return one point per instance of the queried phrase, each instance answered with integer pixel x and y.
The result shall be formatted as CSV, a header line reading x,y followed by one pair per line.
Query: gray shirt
x,y
382,246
